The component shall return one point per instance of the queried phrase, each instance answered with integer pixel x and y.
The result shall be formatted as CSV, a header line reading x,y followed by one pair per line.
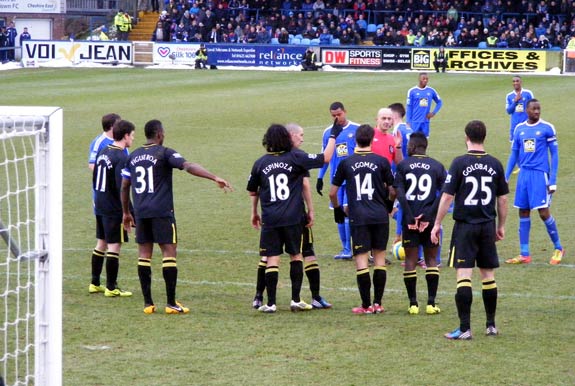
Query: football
x,y
398,251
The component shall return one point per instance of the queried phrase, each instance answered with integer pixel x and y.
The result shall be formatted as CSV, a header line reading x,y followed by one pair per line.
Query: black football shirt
x,y
367,177
278,180
476,179
149,169
421,178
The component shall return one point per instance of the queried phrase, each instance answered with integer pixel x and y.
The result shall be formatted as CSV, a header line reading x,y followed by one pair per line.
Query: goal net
x,y
31,245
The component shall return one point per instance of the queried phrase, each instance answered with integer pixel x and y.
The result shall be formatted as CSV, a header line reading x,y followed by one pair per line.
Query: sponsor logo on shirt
x,y
341,150
529,145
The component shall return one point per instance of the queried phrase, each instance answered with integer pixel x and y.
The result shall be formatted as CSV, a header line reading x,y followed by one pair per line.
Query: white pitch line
x,y
342,289
256,254
387,290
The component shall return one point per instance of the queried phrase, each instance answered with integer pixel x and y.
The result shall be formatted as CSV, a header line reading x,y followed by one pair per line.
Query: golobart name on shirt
x,y
478,166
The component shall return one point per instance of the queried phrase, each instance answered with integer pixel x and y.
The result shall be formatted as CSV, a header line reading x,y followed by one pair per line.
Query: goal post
x,y
31,185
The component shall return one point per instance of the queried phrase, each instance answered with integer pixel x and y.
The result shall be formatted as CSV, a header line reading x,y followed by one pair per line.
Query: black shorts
x,y
161,230
273,240
367,237
473,243
413,239
110,229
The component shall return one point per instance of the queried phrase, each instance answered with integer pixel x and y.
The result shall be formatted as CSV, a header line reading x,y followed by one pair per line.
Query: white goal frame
x,y
46,312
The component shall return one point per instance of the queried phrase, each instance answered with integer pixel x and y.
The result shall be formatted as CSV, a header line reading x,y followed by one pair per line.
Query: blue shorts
x,y
421,126
531,191
341,197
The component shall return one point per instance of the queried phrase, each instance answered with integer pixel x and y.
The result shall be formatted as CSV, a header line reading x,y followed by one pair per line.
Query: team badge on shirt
x,y
529,145
423,102
341,150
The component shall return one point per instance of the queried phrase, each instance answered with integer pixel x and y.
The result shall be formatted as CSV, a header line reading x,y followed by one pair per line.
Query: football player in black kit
x,y
368,182
148,173
276,182
106,184
476,183
311,266
418,182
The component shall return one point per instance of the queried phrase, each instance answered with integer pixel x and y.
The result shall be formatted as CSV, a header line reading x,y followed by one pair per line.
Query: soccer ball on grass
x,y
397,251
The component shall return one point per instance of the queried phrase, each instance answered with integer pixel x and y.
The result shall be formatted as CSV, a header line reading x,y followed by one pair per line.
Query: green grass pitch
x,y
217,118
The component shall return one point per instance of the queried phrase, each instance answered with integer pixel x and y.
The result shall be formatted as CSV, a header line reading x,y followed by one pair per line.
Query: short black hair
x,y
476,131
397,108
364,135
108,121
152,128
121,128
417,140
336,106
531,101
277,139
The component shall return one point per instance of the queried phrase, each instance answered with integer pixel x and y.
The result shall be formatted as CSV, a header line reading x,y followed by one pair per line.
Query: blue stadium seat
x,y
482,45
295,41
335,42
290,38
305,41
314,42
275,41
298,36
371,28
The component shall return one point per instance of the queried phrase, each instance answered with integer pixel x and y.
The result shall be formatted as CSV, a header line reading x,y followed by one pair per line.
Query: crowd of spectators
x,y
465,23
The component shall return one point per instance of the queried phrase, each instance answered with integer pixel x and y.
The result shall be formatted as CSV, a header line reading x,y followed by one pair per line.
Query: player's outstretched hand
x,y
223,184
319,186
339,215
336,129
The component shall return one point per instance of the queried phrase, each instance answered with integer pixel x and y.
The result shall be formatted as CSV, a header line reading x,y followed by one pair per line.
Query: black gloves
x,y
336,128
319,186
339,215
388,205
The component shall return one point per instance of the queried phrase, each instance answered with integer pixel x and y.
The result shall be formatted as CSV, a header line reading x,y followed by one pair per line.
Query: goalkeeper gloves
x,y
319,186
336,129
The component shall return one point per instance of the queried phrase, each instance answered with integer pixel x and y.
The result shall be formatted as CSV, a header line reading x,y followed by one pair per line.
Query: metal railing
x,y
101,7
